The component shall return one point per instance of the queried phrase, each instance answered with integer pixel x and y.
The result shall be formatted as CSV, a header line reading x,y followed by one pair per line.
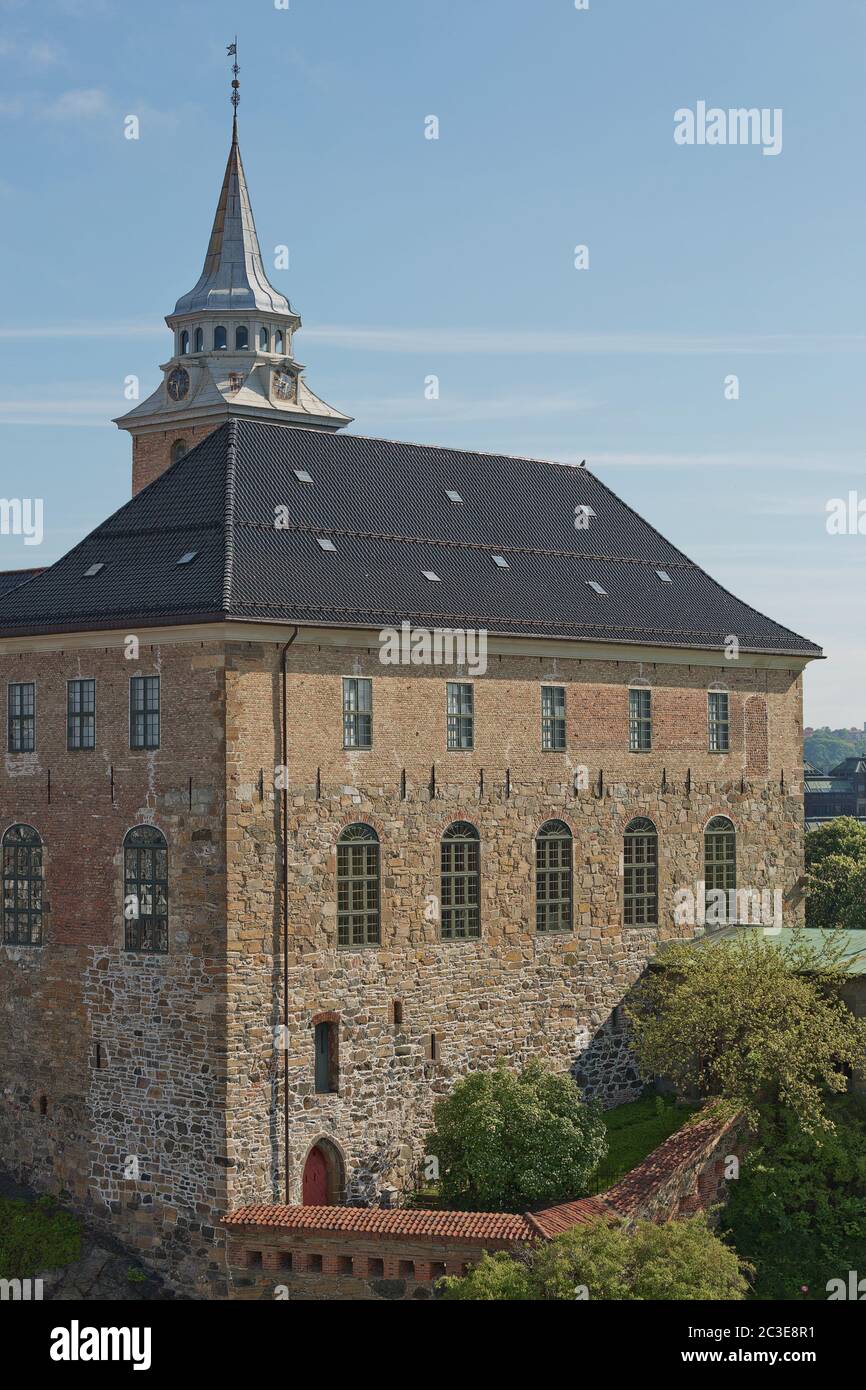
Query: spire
x,y
233,276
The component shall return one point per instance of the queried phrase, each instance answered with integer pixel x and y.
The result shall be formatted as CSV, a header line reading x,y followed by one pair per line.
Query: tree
x,y
836,875
507,1140
798,1211
680,1260
752,1020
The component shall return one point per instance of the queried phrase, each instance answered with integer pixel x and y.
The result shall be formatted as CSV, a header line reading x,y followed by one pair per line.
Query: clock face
x,y
178,384
284,386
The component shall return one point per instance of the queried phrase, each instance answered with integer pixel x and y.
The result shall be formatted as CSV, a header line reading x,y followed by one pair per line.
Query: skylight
x,y
94,569
596,587
325,543
187,557
434,578
501,561
664,577
452,495
584,509
302,475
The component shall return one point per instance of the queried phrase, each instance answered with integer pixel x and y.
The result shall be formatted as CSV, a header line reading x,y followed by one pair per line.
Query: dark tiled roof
x,y
384,506
10,579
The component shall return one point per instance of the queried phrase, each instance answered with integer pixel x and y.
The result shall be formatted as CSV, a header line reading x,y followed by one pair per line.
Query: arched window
x,y
145,889
278,340
264,339
178,449
220,338
242,338
199,340
640,873
184,343
553,877
22,886
720,869
358,887
461,882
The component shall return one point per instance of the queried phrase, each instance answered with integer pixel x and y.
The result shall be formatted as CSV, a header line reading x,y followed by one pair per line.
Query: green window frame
x,y
21,706
358,887
80,714
461,715
145,890
22,886
553,738
718,721
460,885
640,860
357,712
720,856
640,722
144,712
553,877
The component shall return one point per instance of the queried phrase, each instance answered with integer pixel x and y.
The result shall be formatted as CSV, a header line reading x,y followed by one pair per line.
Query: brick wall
x,y
151,452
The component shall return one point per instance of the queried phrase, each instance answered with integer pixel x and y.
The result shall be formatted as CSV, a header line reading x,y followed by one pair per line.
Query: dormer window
x,y
184,343
242,338
278,340
220,338
199,340
264,339
236,381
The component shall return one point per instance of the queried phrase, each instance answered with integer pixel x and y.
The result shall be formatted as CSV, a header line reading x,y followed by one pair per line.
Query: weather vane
x,y
232,52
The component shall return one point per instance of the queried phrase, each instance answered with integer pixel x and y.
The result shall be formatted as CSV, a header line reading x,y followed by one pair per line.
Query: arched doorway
x,y
322,1182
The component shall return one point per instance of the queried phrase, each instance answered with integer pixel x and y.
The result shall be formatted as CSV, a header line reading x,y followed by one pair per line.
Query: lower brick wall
x,y
302,1252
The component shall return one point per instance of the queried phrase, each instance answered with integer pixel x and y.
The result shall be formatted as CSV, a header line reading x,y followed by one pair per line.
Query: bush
x,y
35,1236
678,1261
798,1210
506,1140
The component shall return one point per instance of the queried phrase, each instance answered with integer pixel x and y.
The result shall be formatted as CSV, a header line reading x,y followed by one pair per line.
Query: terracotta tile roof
x,y
552,1221
399,1221
682,1148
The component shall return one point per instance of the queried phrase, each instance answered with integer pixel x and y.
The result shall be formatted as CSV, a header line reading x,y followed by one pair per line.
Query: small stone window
x,y
358,895
220,338
327,1039
242,338
375,1268
21,706
406,1269
460,854
345,1264
357,712
178,449
264,339
236,381
640,720
553,877
314,1264
640,873
199,340
278,340
145,889
22,886
184,343
254,1259
553,718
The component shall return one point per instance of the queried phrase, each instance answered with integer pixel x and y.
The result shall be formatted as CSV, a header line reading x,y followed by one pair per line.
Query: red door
x,y
315,1187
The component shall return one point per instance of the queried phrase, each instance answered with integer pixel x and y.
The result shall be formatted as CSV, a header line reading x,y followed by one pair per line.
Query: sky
x,y
455,257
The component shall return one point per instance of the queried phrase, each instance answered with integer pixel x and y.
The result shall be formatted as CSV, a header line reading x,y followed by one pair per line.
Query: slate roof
x,y
383,505
10,579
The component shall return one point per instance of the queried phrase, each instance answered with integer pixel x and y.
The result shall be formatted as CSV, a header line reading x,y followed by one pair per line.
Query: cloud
x,y
130,329
80,409
454,409
80,103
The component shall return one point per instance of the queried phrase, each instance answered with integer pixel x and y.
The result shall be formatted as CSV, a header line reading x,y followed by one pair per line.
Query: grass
x,y
35,1236
633,1131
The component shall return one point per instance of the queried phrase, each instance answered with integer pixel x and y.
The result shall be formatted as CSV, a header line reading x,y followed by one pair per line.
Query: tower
x,y
233,346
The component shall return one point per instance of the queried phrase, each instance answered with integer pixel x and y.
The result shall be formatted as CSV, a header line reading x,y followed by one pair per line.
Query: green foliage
x,y
836,875
798,1211
751,1020
826,748
633,1131
35,1236
680,1260
507,1140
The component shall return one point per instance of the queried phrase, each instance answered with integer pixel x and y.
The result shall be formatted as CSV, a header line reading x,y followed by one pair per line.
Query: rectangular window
x,y
461,717
719,726
22,717
326,1058
357,713
144,712
81,714
553,718
640,724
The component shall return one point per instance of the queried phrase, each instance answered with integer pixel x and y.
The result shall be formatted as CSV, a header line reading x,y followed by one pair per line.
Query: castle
x,y
266,892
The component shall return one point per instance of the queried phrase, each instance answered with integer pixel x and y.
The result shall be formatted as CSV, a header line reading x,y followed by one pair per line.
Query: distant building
x,y
841,792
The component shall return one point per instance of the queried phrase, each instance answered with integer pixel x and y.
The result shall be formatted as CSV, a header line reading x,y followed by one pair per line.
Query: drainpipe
x,y
284,761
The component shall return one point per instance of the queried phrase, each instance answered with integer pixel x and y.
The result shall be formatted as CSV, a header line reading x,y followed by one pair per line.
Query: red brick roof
x,y
683,1147
398,1221
552,1221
